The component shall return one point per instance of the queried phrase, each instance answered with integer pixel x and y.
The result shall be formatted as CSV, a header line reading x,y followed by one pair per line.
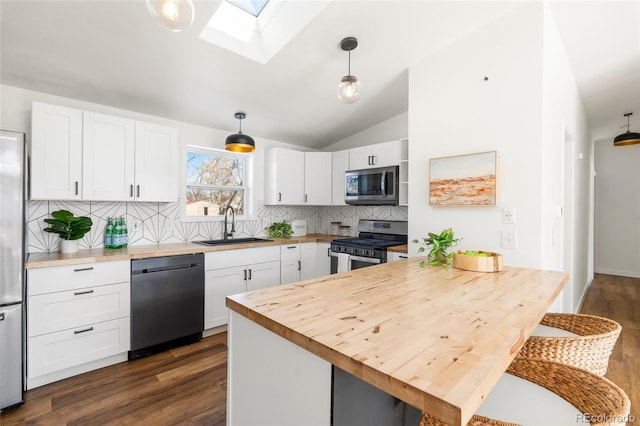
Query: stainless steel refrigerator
x,y
12,253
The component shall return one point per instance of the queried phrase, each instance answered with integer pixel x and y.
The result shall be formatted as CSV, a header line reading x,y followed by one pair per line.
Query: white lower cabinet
x,y
323,259
236,271
77,319
393,256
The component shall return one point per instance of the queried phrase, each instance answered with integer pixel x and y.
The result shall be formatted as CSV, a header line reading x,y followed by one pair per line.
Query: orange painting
x,y
463,180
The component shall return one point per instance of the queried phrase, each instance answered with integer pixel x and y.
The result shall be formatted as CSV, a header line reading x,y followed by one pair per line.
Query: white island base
x,y
273,382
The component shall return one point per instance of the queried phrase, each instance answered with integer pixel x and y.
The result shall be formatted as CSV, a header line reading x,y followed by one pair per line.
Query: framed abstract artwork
x,y
463,180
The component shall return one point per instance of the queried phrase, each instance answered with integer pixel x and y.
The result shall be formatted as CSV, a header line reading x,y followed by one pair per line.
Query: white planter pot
x,y
69,246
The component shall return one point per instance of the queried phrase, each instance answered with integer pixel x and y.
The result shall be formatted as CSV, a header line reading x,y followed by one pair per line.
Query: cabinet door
x,y
56,153
220,283
263,275
323,259
289,263
284,177
107,151
317,178
339,165
307,261
360,158
156,163
393,256
387,154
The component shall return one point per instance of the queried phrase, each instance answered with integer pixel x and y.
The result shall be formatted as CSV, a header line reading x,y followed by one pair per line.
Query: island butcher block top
x,y
438,339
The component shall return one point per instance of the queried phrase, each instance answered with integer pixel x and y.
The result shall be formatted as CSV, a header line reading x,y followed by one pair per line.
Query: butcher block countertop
x,y
47,260
438,339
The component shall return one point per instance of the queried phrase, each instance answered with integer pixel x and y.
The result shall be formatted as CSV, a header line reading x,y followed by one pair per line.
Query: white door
x,y
339,165
323,259
290,177
220,283
360,158
387,154
56,153
263,275
308,261
289,263
317,178
108,148
156,163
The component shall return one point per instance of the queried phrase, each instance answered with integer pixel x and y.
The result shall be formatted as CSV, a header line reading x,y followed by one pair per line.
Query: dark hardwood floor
x,y
187,385
618,298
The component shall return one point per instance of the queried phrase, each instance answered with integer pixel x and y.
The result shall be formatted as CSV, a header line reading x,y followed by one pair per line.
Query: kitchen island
x,y
438,339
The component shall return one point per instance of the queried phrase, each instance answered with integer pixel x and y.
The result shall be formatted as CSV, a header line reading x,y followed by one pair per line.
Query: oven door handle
x,y
365,259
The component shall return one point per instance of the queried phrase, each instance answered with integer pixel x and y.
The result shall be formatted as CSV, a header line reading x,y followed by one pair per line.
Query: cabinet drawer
x,y
66,309
56,351
241,257
61,278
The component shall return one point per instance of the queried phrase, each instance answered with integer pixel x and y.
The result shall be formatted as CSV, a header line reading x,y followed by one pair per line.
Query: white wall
x,y
453,110
521,111
392,129
567,218
617,194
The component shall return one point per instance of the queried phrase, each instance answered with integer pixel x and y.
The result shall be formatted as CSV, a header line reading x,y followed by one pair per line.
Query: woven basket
x,y
590,393
590,350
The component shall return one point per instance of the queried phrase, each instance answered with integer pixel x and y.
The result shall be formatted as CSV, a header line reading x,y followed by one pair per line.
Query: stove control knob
x,y
354,251
365,252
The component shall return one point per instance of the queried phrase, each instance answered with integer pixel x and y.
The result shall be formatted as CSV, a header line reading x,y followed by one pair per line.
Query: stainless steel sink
x,y
231,241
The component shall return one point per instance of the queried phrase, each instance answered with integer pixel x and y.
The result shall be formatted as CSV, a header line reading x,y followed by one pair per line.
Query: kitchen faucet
x,y
228,234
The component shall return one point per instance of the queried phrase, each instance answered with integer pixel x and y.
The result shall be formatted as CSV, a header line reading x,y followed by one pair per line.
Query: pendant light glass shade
x,y
349,89
173,15
239,142
627,138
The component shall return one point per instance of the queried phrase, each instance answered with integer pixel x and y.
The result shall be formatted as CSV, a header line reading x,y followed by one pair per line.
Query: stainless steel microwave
x,y
377,186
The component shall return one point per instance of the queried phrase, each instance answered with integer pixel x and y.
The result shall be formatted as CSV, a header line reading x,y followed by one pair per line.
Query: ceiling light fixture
x,y
173,15
627,138
239,142
349,88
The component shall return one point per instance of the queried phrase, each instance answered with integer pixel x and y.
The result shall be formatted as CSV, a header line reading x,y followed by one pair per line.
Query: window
x,y
254,7
215,179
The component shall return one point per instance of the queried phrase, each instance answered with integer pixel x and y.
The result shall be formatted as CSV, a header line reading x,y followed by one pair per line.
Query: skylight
x,y
253,7
258,29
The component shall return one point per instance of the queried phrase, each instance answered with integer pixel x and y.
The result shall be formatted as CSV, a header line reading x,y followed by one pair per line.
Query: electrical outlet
x,y
509,239
136,224
508,215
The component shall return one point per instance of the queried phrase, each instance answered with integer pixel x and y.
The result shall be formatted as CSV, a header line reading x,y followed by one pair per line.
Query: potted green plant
x,y
279,230
69,228
438,246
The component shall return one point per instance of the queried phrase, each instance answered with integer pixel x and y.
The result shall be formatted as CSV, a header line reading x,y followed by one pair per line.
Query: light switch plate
x,y
509,239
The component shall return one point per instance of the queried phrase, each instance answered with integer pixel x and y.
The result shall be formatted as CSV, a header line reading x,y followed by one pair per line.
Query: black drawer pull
x,y
78,293
290,247
83,331
90,268
1,316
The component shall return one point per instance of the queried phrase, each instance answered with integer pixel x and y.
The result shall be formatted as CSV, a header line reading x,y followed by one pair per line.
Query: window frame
x,y
247,187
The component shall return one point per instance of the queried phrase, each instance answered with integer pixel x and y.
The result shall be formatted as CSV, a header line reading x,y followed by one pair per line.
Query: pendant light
x,y
349,88
628,138
239,142
173,15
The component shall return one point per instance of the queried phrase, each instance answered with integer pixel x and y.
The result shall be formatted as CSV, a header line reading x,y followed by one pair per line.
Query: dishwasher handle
x,y
165,268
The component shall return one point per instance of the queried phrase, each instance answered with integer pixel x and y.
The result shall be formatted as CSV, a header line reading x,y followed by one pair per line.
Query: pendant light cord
x,y
349,69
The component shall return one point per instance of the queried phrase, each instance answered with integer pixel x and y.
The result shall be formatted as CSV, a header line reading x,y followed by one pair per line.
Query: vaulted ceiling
x,y
113,53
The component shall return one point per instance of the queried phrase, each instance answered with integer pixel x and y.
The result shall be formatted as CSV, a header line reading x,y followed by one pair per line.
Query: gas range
x,y
374,237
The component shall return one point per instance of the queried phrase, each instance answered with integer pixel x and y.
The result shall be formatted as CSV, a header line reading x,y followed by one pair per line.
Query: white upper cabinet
x,y
339,165
376,155
284,177
56,153
108,157
156,163
317,178
83,155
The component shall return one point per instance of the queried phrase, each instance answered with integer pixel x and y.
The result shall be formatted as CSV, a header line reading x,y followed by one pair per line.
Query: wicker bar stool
x,y
601,401
589,348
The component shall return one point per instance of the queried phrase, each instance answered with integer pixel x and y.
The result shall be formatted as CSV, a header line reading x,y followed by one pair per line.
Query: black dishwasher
x,y
167,303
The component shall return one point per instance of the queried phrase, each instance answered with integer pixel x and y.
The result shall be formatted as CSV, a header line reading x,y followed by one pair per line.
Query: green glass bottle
x,y
125,233
117,236
108,234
